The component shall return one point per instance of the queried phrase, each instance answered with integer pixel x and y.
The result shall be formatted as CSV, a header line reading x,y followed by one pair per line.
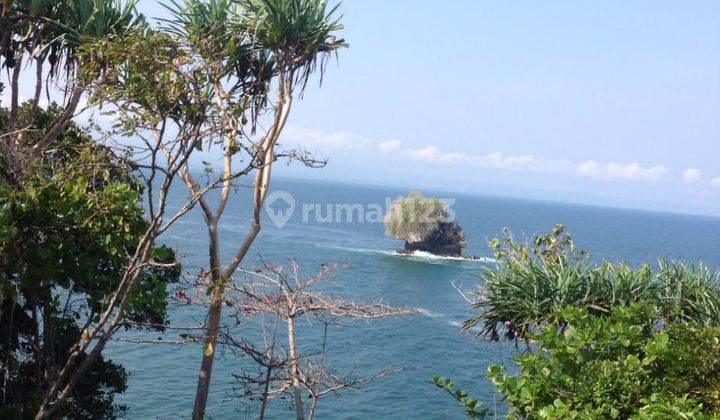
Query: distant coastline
x,y
511,198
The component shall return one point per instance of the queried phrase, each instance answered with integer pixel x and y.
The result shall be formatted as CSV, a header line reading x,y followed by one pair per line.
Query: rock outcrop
x,y
447,240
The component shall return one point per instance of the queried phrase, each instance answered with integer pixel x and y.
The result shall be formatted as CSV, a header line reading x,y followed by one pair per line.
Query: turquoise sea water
x,y
163,377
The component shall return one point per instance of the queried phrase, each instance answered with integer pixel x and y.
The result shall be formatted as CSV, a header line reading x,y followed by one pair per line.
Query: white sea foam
x,y
420,255
345,248
415,255
428,313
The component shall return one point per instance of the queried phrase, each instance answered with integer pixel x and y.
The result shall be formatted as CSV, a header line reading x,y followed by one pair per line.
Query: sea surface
x,y
163,377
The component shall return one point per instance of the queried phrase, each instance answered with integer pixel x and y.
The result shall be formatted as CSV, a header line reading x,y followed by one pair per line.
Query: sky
x,y
600,102
613,103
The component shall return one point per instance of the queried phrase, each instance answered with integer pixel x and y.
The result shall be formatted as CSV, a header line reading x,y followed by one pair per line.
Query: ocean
x,y
163,377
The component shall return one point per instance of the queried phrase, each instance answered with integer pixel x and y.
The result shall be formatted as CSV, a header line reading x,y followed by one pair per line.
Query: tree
x,y
53,33
70,36
65,234
415,217
288,297
208,76
250,52
624,365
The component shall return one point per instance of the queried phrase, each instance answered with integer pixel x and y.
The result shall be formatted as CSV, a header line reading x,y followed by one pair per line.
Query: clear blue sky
x,y
601,102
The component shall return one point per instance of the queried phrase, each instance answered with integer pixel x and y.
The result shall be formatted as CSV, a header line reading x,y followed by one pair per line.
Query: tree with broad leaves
x,y
65,235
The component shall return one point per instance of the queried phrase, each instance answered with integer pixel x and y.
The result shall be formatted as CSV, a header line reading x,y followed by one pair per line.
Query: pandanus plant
x,y
532,284
80,24
53,33
259,55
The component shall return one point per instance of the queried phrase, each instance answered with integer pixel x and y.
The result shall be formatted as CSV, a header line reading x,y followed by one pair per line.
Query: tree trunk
x,y
219,278
14,100
48,408
208,359
213,323
313,407
61,123
295,370
38,84
268,374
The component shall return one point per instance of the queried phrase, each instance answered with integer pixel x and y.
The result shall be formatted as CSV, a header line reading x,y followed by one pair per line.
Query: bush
x,y
604,341
621,366
415,217
533,282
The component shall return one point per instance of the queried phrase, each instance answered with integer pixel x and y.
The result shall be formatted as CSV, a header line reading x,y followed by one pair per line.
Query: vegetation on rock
x,y
415,217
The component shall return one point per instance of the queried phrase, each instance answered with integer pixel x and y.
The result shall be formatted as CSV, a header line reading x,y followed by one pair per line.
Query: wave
x,y
345,248
428,313
430,256
454,323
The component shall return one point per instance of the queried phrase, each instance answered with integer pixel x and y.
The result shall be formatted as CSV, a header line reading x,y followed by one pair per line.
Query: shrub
x,y
621,366
604,341
415,217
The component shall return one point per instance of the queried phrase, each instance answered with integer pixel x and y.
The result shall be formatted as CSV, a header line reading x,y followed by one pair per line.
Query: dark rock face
x,y
447,240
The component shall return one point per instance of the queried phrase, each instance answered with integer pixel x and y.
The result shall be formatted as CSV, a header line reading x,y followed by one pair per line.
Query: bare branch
x,y
287,295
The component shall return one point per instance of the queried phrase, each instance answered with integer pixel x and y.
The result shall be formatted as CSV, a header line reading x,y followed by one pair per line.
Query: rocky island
x,y
448,240
422,223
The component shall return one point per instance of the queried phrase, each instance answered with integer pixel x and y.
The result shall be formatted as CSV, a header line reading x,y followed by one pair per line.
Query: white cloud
x,y
523,162
433,154
389,145
630,171
336,142
691,175
715,182
493,160
316,139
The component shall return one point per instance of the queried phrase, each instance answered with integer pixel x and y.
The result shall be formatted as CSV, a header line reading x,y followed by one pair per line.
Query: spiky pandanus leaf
x,y
298,33
531,285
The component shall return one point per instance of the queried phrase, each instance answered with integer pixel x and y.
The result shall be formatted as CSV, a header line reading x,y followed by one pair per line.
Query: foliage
x,y
204,78
533,282
253,41
415,217
53,32
298,33
65,234
604,341
623,365
145,80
